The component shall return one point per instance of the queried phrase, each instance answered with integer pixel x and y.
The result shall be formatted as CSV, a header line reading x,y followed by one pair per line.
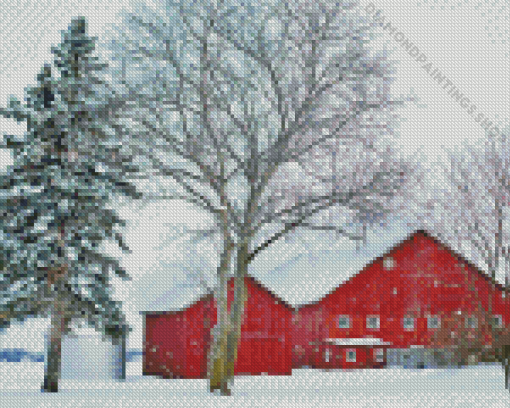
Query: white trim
x,y
359,341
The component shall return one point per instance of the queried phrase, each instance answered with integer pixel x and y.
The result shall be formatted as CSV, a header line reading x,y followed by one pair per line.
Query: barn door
x,y
261,356
248,357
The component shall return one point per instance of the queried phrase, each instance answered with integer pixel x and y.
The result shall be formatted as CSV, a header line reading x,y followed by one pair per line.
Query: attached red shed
x,y
176,343
420,293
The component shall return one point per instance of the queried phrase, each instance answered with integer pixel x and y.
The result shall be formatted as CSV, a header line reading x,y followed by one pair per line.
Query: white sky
x,y
467,41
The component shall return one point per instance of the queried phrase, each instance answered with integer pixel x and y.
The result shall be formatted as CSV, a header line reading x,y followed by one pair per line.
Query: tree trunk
x,y
58,322
53,353
506,363
490,323
236,312
217,355
218,352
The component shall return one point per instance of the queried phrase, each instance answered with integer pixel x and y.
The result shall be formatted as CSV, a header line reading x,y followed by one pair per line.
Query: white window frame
x,y
348,359
378,325
412,319
379,355
498,321
327,355
467,321
348,321
429,326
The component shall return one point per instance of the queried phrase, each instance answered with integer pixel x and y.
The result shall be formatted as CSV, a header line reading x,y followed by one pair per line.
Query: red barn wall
x,y
181,340
175,342
426,278
266,336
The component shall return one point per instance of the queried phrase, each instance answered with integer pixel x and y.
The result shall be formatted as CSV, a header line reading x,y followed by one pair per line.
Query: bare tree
x,y
480,197
466,331
472,211
272,118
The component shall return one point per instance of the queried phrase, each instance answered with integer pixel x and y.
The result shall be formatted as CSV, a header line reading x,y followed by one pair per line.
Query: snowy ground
x,y
480,386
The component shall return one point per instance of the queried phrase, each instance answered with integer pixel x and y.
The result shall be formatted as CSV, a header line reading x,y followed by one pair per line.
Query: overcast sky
x,y
467,41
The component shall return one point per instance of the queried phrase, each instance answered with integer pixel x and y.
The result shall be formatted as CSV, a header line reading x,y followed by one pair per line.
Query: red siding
x,y
176,342
184,337
265,334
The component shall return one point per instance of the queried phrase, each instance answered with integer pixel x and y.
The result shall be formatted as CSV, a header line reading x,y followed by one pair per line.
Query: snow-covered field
x,y
480,386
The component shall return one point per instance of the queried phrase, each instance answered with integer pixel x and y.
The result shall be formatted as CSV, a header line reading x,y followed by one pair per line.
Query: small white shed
x,y
87,355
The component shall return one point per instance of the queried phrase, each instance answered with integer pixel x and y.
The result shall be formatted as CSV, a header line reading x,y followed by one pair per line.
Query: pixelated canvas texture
x,y
254,203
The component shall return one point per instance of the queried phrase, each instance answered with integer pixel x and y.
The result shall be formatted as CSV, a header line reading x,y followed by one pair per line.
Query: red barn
x,y
420,294
177,342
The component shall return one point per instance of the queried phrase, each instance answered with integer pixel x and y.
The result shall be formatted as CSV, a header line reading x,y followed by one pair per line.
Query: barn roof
x,y
398,245
441,244
461,258
276,298
293,277
297,278
182,296
307,277
179,297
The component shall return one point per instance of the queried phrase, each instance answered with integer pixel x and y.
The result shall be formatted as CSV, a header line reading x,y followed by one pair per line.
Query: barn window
x,y
433,322
327,355
471,322
344,322
373,322
351,356
379,355
388,263
498,321
408,323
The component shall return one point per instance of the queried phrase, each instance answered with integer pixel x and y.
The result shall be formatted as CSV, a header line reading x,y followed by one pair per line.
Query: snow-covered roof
x,y
361,341
303,278
295,276
178,297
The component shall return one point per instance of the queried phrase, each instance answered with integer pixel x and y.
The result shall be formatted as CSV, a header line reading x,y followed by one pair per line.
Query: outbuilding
x,y
88,355
177,342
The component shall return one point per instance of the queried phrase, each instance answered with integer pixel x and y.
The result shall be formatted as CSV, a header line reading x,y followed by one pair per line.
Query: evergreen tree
x,y
56,201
